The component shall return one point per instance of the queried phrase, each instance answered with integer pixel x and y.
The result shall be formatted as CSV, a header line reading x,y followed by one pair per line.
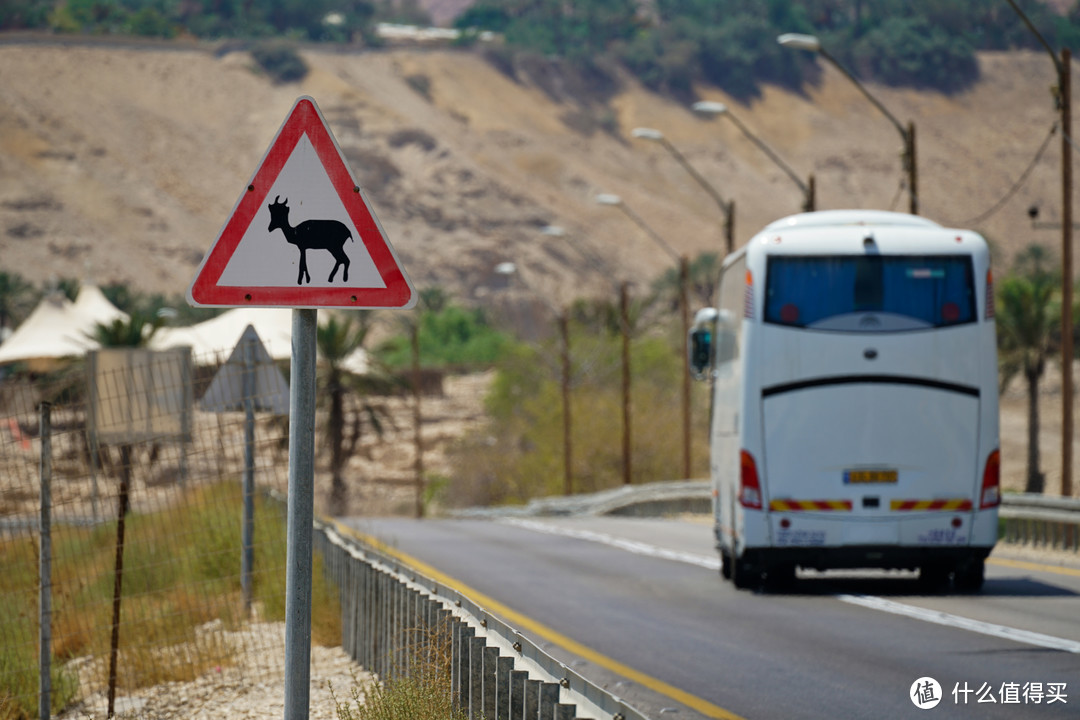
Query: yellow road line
x,y
525,623
1039,567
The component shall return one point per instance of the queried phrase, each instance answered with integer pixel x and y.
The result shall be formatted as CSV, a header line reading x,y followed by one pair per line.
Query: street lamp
x,y
727,209
684,314
1063,97
562,318
709,107
798,41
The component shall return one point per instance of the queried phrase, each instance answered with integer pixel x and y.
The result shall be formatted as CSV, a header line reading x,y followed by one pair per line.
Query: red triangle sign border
x,y
303,119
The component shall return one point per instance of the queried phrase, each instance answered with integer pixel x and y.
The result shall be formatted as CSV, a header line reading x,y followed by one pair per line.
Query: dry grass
x,y
419,689
181,589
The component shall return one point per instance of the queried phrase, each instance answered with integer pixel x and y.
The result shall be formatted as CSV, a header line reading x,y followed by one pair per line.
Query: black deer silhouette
x,y
312,235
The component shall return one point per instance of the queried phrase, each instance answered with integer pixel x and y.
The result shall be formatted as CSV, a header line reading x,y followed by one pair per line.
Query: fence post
x,y
247,559
45,569
118,573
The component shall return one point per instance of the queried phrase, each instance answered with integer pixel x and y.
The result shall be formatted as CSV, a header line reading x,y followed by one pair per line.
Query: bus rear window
x,y
869,293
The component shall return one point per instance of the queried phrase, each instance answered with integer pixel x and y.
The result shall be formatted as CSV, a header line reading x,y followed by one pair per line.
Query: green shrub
x,y
453,336
280,60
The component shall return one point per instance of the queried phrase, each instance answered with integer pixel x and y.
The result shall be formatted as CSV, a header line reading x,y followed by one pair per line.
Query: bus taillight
x,y
748,297
989,295
991,484
749,484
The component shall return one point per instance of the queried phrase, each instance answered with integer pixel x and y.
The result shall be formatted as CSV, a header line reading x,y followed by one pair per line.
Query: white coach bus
x,y
854,417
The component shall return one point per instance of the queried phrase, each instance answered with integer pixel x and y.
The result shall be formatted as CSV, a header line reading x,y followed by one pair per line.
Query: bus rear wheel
x,y
934,577
744,576
970,577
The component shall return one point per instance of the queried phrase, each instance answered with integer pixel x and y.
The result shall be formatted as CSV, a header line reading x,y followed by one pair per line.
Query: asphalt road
x,y
647,594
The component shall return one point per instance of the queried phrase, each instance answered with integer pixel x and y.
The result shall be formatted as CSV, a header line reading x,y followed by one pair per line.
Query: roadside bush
x,y
280,60
451,336
518,454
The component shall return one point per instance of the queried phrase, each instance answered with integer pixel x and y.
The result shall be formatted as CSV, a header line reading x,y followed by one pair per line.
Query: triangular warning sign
x,y
302,234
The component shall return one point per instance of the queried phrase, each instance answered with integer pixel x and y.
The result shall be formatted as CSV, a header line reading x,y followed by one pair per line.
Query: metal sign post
x,y
301,511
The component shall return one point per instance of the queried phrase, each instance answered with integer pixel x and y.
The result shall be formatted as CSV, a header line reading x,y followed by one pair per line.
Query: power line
x,y
1016,186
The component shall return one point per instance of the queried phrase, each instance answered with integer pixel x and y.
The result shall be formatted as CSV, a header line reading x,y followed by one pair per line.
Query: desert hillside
x,y
121,163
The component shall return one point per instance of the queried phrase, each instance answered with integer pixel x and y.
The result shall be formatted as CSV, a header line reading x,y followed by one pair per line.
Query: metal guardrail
x,y
1042,522
496,672
1051,523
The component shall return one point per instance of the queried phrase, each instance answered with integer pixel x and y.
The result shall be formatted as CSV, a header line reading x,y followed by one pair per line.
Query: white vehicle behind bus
x,y
854,419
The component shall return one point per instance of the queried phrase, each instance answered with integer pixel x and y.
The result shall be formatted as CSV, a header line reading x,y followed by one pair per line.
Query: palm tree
x,y
134,332
703,277
1028,317
17,296
338,338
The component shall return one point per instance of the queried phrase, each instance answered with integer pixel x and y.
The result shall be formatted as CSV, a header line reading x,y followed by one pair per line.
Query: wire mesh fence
x,y
130,521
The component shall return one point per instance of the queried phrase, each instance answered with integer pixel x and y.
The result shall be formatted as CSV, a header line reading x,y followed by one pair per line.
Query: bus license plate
x,y
864,477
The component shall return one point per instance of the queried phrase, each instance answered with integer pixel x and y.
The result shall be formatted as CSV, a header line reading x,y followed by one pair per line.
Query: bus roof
x,y
834,218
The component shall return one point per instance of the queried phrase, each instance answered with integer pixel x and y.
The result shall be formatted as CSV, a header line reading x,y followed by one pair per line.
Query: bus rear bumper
x,y
850,557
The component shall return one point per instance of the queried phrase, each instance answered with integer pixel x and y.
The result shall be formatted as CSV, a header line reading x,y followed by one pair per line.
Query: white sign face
x,y
266,258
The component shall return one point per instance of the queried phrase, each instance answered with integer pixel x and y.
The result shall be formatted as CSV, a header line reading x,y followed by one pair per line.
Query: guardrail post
x,y
386,616
503,667
517,694
489,681
356,571
532,699
371,608
549,698
476,677
565,712
460,683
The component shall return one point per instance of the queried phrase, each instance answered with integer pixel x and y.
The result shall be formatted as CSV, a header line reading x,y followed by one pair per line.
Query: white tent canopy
x,y
213,341
92,304
58,328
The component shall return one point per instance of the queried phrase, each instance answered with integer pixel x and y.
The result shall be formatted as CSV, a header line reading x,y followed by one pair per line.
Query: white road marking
x,y
638,548
963,623
868,601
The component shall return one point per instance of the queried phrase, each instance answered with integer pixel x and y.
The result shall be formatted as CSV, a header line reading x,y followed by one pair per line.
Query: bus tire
x,y
970,578
725,565
780,577
743,575
933,577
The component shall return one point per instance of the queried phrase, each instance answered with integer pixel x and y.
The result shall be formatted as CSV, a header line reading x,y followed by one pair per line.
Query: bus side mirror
x,y
701,346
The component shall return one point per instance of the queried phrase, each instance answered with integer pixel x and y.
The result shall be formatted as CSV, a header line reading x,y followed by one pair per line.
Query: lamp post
x,y
684,315
798,41
562,319
709,107
1063,97
727,209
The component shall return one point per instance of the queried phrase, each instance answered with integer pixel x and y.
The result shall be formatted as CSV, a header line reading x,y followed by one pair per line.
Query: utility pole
x,y
1065,91
624,321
